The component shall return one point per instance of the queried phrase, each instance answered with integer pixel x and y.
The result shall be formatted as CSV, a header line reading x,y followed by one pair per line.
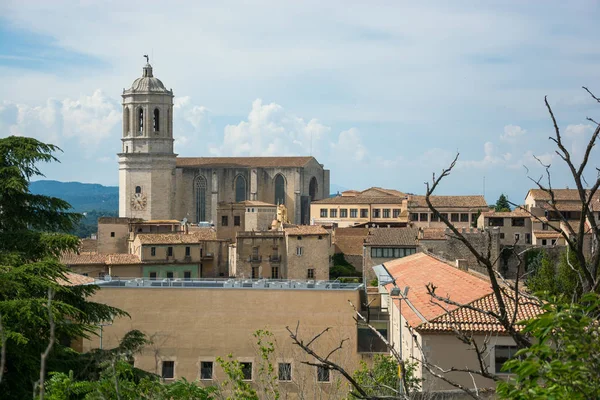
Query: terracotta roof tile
x,y
304,230
121,259
88,245
84,258
73,279
464,319
246,162
546,234
419,269
518,213
476,201
392,237
360,200
193,237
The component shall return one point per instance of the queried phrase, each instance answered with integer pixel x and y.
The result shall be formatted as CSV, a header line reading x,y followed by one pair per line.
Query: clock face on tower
x,y
138,201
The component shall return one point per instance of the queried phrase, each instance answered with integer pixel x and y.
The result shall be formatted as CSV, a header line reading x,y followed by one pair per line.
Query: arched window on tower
x,y
140,121
313,189
240,188
200,189
155,121
279,189
138,189
126,126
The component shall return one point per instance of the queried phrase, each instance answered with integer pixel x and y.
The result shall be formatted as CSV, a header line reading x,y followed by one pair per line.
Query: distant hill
x,y
82,196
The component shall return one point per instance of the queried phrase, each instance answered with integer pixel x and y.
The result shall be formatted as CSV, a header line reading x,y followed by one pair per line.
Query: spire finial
x,y
147,58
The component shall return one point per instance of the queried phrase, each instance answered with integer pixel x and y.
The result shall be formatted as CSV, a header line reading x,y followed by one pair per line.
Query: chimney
x,y
187,228
461,264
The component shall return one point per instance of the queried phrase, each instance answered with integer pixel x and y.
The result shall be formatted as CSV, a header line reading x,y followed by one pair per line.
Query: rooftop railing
x,y
225,283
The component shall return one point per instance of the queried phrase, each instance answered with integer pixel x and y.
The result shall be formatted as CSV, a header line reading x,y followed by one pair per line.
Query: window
x,y
496,222
502,354
274,272
322,374
474,217
112,234
517,237
255,272
544,242
518,222
299,250
285,372
310,273
313,189
169,275
169,251
236,220
155,120
320,237
353,212
246,370
528,238
187,274
279,190
200,186
332,213
454,217
344,213
396,213
444,215
187,251
435,217
544,227
464,217
386,213
206,370
224,220
423,217
240,189
140,121
376,213
323,213
152,276
299,238
364,213
126,127
153,251
501,235
168,369
553,242
414,217
392,252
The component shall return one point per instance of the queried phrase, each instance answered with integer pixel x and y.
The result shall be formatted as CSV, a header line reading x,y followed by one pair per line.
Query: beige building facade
x,y
155,184
211,322
244,216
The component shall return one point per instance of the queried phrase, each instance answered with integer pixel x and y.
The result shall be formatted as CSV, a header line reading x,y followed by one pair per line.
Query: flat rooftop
x,y
225,283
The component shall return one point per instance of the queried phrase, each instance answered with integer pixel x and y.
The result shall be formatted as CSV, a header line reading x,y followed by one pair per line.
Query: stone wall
x,y
315,255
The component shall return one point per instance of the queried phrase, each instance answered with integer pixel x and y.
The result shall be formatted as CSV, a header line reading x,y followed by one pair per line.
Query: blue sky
x,y
383,93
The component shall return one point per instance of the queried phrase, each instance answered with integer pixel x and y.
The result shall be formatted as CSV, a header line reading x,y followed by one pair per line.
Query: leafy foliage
x,y
502,204
546,275
564,361
89,223
382,378
235,383
342,268
32,234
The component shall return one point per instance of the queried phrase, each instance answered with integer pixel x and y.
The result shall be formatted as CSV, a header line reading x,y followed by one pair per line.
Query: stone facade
x,y
244,216
155,184
308,255
260,255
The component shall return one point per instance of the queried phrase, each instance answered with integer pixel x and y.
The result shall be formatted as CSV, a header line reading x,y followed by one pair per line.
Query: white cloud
x,y
491,157
89,119
512,133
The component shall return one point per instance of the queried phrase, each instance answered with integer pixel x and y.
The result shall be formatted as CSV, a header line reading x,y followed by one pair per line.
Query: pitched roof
x,y
195,236
121,259
246,162
73,279
83,258
360,200
516,213
419,269
559,194
304,230
475,201
392,237
350,240
388,192
546,234
257,203
88,245
465,319
432,234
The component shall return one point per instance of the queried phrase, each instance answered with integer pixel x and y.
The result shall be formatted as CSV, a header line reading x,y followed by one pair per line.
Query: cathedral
x,y
156,184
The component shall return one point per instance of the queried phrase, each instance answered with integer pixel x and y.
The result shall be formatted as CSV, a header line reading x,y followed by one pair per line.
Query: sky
x,y
383,93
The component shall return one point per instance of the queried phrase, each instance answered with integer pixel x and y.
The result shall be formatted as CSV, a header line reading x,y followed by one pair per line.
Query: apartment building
x,y
249,215
461,211
515,227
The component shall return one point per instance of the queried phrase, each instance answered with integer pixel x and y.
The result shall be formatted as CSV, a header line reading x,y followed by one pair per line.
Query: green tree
x,y
502,204
546,275
32,235
382,377
564,361
342,268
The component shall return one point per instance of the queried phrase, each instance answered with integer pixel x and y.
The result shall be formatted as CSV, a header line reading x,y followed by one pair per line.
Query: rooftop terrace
x,y
225,283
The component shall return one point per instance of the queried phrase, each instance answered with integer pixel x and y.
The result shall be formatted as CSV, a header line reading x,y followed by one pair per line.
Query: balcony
x,y
255,258
275,259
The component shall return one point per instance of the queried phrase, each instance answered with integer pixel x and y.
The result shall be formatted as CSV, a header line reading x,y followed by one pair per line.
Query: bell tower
x,y
147,161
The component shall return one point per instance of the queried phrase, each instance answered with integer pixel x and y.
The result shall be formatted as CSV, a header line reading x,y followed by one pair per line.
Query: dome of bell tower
x,y
147,83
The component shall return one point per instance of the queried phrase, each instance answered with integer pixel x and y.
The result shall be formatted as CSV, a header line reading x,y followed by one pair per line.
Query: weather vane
x,y
147,58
